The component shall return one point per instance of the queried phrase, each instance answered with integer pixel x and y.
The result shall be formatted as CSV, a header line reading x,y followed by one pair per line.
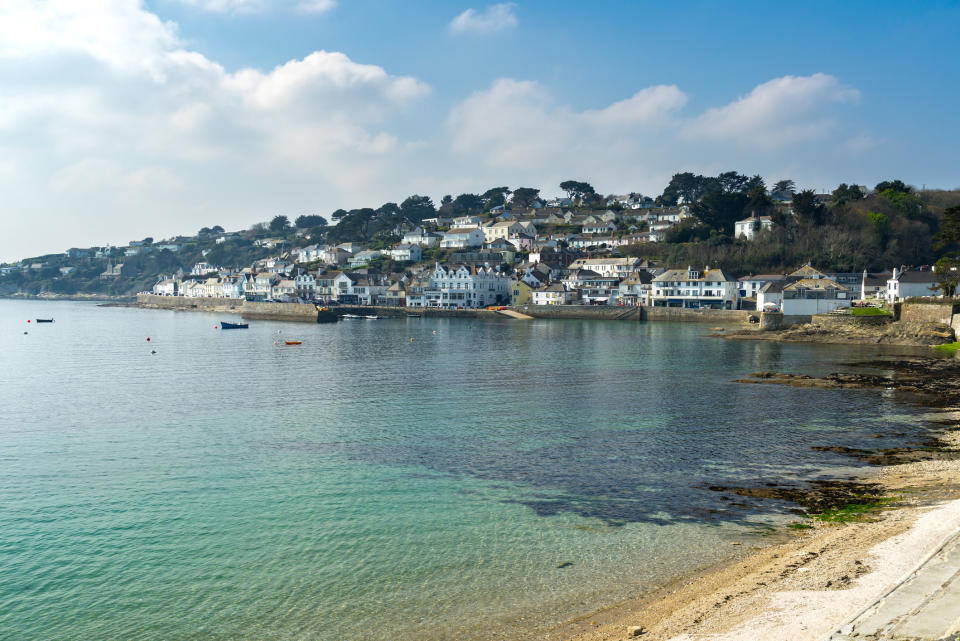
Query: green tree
x,y
279,224
415,208
524,196
845,193
882,224
308,221
758,203
948,274
949,234
895,185
466,205
494,197
808,209
720,210
783,189
578,191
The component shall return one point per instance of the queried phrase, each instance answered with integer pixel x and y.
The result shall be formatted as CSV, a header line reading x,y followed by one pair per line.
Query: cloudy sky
x,y
121,119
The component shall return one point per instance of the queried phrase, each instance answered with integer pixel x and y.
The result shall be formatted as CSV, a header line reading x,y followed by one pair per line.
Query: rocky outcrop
x,y
851,330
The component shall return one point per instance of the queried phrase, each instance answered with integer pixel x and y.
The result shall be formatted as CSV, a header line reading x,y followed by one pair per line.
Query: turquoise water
x,y
366,486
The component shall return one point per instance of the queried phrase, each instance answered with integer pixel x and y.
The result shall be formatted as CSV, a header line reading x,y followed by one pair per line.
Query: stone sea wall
x,y
152,301
300,312
920,313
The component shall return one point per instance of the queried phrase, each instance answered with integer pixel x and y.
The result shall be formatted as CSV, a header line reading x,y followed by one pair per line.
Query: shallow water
x,y
366,486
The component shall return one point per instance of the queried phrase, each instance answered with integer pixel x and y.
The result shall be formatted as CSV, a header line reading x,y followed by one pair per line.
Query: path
x,y
924,607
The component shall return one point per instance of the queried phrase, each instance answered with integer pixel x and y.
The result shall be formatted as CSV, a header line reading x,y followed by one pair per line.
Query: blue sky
x,y
123,118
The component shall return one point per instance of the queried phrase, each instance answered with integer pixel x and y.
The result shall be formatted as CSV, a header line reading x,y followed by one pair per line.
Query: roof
x,y
463,230
808,271
710,275
815,283
917,277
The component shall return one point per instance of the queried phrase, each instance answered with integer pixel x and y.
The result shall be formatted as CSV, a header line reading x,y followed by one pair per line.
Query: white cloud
x,y
115,122
515,132
780,112
497,17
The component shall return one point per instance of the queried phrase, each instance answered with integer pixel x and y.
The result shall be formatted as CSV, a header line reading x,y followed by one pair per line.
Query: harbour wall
x,y
153,301
307,313
299,312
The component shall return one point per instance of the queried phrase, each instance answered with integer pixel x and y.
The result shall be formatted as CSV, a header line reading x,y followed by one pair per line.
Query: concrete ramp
x,y
512,314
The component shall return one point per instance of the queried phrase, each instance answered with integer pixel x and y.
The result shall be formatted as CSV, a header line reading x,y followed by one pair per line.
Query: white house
x,y
203,268
749,227
555,294
461,286
910,284
461,237
305,285
420,237
166,287
466,222
608,266
233,286
694,289
364,257
750,286
406,252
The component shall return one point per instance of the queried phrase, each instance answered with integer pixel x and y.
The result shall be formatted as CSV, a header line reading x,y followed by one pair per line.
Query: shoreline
x,y
821,577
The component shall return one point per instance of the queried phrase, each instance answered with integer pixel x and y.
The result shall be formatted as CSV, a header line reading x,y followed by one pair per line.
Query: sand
x,y
805,587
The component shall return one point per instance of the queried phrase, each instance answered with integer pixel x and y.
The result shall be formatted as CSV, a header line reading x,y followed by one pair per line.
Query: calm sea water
x,y
366,486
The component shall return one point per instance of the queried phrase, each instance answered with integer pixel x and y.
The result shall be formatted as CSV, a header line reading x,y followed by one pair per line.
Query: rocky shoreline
x,y
853,539
838,332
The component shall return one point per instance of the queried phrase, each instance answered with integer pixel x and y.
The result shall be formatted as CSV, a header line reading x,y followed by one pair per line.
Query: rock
x,y
635,631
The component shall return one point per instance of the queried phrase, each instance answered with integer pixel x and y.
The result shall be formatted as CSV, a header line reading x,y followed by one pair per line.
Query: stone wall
x,y
152,301
582,312
921,313
840,322
280,311
370,310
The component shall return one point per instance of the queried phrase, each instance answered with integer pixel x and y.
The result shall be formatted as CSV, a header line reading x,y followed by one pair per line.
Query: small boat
x,y
351,316
413,315
226,325
371,317
292,342
44,320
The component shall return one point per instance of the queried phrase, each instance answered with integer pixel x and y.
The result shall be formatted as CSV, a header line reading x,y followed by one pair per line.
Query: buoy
x,y
434,331
148,339
153,351
411,340
28,320
215,327
26,332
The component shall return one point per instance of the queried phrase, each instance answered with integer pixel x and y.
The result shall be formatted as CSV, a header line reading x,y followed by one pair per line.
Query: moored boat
x,y
44,320
226,325
292,342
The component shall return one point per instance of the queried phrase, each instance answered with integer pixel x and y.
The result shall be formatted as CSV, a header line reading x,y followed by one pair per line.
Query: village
x,y
516,258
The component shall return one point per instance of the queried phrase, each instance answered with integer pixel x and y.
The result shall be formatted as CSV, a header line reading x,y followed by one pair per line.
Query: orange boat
x,y
292,342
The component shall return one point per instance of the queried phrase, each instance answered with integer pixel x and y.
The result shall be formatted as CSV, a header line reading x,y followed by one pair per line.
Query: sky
x,y
122,119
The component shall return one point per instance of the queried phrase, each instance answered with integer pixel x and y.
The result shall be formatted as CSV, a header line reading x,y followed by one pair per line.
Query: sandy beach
x,y
808,586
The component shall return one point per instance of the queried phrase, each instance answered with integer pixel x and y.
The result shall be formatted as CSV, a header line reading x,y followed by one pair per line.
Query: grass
x,y
949,348
800,526
851,512
869,311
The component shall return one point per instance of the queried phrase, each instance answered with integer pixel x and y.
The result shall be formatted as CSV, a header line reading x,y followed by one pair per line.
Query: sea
x,y
410,478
